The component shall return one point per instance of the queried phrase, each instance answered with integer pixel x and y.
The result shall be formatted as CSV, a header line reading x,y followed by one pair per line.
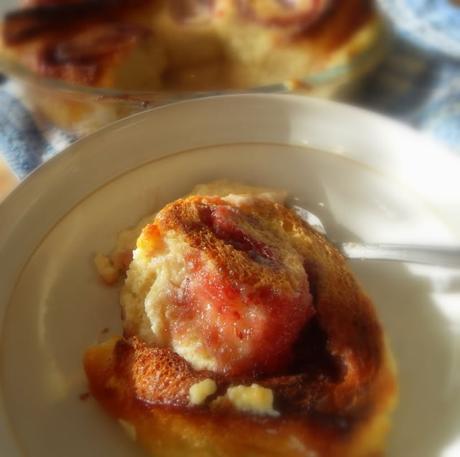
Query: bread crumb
x,y
106,269
253,399
200,391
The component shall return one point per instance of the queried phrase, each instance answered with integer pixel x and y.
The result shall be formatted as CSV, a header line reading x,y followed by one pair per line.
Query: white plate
x,y
377,181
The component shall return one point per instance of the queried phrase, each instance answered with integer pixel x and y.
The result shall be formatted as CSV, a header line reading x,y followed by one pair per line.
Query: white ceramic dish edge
x,y
417,162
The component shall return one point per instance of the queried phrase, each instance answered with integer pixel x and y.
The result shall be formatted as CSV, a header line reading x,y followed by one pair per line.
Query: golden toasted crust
x,y
170,430
155,375
189,218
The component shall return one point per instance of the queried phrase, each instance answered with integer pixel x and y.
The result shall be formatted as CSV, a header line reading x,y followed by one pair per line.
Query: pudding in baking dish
x,y
85,63
245,334
152,45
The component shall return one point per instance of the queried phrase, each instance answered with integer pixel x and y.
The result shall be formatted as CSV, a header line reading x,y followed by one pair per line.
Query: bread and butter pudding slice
x,y
245,334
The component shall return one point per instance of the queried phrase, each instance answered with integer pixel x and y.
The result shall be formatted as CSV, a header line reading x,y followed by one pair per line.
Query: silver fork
x,y
447,256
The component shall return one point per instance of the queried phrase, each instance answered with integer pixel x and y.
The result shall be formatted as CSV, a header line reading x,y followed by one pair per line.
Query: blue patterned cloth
x,y
420,80
418,83
431,24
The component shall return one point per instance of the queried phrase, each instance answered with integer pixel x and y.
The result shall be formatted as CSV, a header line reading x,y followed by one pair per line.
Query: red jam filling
x,y
246,328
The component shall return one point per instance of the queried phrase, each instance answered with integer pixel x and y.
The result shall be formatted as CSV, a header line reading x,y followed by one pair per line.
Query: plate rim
x,y
39,173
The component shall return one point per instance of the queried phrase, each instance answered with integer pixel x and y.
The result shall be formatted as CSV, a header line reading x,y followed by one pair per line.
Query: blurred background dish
x,y
84,64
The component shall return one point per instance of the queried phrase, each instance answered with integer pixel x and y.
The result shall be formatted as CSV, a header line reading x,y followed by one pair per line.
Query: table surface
x,y
7,180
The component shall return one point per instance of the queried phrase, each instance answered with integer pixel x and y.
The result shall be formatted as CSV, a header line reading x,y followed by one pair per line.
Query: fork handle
x,y
447,256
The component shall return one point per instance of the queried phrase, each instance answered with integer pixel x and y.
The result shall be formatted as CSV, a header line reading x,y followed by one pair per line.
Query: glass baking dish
x,y
83,109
